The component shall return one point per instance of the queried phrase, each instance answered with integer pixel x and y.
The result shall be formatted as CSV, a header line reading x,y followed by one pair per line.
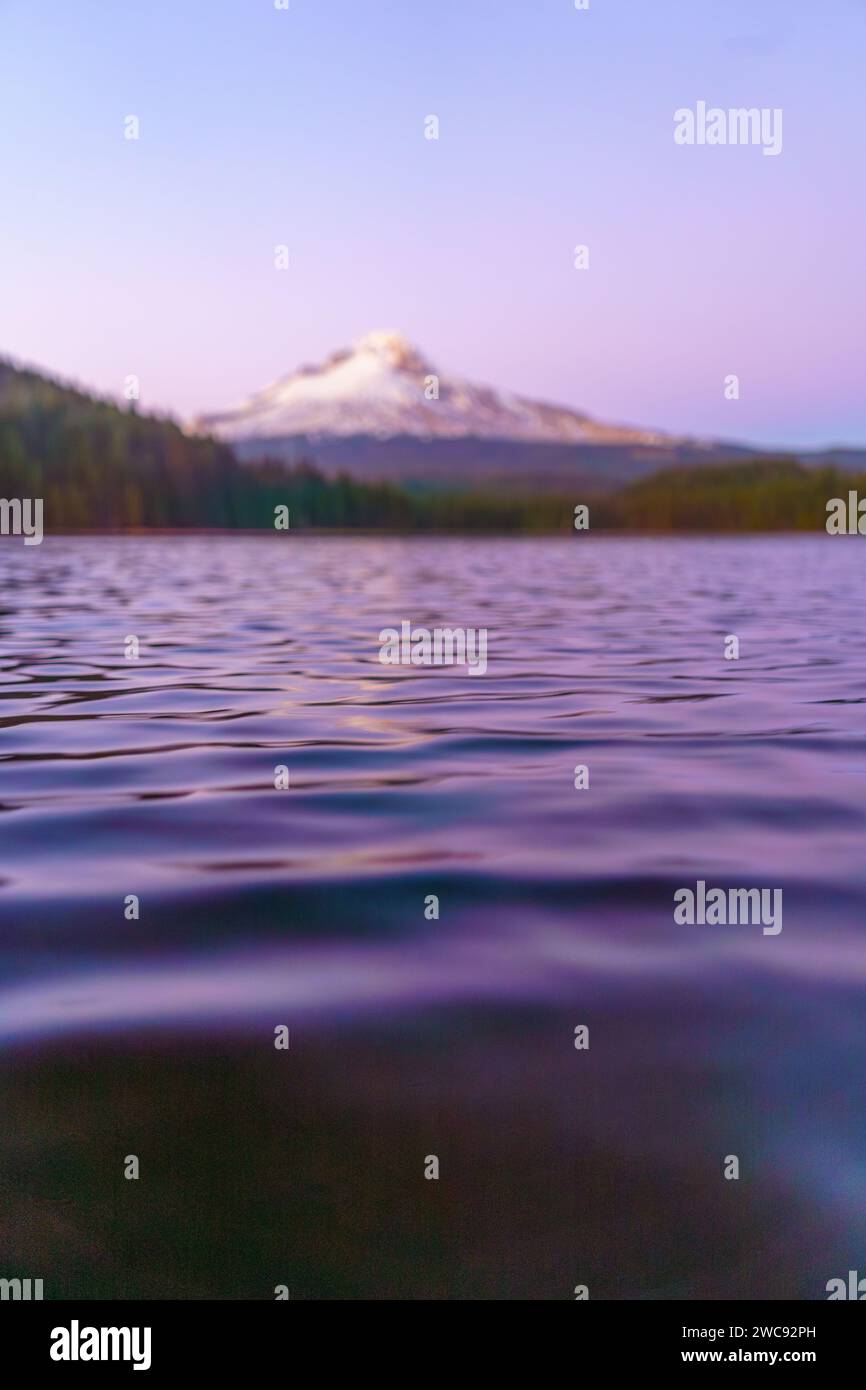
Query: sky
x,y
261,127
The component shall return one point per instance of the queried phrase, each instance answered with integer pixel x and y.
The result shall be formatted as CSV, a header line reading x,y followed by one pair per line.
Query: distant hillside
x,y
758,495
98,467
503,465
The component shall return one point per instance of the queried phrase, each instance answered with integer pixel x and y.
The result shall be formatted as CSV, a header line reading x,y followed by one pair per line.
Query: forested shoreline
x,y
102,468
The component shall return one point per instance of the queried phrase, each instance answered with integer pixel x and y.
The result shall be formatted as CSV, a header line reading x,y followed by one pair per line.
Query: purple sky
x,y
306,127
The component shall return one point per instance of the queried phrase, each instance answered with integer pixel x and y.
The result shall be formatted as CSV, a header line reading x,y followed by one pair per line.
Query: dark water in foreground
x,y
411,1037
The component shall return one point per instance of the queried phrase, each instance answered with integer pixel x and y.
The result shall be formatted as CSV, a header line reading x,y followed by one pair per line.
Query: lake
x,y
165,907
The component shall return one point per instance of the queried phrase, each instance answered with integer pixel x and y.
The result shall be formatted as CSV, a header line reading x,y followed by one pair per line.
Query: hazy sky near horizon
x,y
306,127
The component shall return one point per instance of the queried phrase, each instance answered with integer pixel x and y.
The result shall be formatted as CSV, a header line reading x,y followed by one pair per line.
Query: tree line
x,y
99,467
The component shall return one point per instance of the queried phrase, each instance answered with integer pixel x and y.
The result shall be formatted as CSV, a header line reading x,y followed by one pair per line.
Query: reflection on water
x,y
411,1036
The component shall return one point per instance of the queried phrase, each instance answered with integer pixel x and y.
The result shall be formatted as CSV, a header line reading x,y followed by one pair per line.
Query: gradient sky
x,y
261,127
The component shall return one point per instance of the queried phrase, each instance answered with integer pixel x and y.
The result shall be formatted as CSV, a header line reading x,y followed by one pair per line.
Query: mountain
x,y
382,387
382,410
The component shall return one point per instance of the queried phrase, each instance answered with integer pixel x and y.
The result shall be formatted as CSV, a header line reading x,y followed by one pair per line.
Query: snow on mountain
x,y
384,388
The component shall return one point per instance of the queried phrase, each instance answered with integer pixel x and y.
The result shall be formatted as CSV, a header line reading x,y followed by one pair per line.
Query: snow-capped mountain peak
x,y
384,387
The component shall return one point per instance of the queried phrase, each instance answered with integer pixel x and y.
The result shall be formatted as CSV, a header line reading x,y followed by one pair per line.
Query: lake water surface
x,y
413,1037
